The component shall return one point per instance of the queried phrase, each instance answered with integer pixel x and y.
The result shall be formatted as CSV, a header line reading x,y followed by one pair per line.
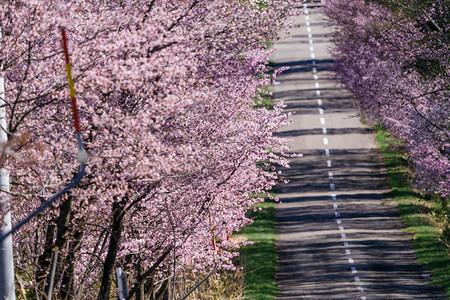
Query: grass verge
x,y
260,259
415,213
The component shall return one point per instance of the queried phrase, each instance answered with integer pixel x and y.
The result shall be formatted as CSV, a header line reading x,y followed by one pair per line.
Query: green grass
x,y
430,250
266,100
260,259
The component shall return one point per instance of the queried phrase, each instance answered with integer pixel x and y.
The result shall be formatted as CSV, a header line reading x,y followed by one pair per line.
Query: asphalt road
x,y
338,238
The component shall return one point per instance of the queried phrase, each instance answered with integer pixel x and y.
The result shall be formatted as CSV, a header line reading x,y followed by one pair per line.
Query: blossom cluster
x,y
179,147
393,55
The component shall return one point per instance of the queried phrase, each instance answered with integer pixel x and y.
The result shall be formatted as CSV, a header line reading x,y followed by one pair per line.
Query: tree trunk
x,y
114,244
164,291
65,210
148,273
45,258
68,279
150,288
140,293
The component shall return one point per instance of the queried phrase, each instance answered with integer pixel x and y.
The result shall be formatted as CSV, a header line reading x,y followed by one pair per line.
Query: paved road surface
x,y
337,238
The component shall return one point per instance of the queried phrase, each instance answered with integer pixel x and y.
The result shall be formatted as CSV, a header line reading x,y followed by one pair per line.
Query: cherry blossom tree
x,y
393,56
178,151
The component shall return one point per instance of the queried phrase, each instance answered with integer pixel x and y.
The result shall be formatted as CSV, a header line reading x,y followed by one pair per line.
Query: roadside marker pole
x,y
6,252
7,291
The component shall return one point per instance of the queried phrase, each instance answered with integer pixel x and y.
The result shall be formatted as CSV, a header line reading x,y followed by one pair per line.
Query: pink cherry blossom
x,y
178,150
394,57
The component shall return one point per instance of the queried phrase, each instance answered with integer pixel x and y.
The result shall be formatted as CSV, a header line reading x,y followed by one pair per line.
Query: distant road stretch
x,y
337,237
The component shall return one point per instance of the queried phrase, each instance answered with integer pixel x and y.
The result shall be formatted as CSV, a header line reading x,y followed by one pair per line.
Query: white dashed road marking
x,y
327,151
